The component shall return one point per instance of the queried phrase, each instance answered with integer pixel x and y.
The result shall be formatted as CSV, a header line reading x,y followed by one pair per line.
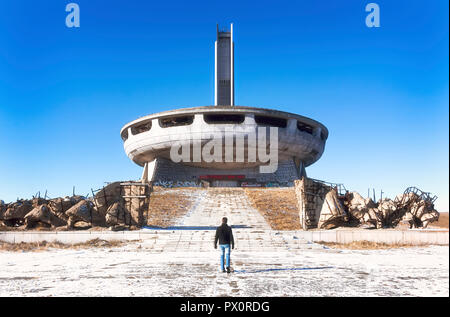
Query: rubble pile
x,y
16,212
51,213
110,207
323,206
413,209
127,204
332,213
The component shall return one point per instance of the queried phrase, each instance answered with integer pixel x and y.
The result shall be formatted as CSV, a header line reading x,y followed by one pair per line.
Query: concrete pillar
x,y
249,119
198,120
301,171
148,174
317,131
144,177
155,125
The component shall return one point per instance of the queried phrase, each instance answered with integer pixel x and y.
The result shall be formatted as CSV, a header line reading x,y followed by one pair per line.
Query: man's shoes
x,y
223,271
228,270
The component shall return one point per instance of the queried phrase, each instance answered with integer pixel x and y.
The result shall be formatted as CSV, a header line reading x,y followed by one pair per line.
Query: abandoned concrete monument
x,y
223,146
148,140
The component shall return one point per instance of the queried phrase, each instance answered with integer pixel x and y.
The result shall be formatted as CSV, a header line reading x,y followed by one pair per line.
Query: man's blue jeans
x,y
223,248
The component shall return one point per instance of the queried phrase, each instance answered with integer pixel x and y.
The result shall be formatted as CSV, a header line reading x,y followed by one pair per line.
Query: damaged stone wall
x,y
124,203
136,200
318,205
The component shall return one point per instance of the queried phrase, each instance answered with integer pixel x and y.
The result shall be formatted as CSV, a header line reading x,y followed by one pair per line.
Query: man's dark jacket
x,y
224,235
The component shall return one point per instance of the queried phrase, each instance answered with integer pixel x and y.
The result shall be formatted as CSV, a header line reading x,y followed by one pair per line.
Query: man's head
x,y
224,220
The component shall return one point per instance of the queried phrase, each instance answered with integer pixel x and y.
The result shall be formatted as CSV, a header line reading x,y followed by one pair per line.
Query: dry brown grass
x,y
442,222
44,245
168,204
278,206
80,226
366,245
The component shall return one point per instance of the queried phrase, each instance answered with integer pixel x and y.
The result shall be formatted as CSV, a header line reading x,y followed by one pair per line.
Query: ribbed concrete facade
x,y
167,171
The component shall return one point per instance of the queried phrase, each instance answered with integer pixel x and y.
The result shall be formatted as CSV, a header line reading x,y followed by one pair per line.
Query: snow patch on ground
x,y
134,270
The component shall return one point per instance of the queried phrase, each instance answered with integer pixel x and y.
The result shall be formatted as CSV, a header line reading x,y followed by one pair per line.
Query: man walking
x,y
225,237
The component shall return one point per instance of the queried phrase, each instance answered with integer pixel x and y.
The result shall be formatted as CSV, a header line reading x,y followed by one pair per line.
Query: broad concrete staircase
x,y
195,232
217,203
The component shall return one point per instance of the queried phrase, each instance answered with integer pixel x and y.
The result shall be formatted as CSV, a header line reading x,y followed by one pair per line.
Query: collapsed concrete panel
x,y
44,215
18,210
318,204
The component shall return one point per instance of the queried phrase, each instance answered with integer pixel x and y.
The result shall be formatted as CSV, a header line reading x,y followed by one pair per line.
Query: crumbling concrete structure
x,y
324,206
117,204
416,207
43,214
319,205
124,203
2,208
15,212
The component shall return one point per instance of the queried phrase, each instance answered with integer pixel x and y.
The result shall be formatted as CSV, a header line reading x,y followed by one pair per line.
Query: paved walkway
x,y
217,203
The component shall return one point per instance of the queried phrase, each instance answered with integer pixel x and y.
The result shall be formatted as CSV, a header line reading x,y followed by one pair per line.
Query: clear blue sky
x,y
65,92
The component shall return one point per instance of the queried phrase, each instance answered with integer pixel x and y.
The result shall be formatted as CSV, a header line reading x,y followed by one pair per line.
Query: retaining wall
x,y
413,237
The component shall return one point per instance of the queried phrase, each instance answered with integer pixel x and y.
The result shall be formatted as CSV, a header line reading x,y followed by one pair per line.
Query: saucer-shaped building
x,y
220,144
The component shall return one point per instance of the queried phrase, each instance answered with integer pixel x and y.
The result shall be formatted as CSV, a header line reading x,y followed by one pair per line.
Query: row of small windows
x,y
267,121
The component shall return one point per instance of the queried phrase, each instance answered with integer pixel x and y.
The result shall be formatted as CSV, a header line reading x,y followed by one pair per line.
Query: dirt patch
x,y
366,245
442,222
44,245
278,207
169,204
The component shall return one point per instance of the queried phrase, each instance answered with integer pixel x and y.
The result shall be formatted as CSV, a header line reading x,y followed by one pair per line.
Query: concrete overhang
x,y
228,109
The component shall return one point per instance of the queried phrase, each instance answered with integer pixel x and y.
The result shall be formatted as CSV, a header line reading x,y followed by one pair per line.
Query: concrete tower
x,y
224,68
